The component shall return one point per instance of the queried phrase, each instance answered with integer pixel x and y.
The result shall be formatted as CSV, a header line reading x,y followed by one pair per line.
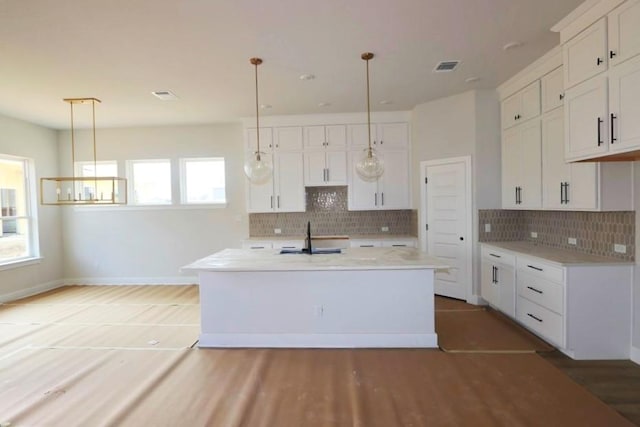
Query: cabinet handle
x,y
366,246
278,202
256,247
599,136
493,274
324,175
328,179
516,195
495,256
271,202
288,247
599,61
381,142
535,290
612,54
562,193
375,199
613,117
566,193
535,268
515,117
382,197
519,190
561,96
399,246
534,317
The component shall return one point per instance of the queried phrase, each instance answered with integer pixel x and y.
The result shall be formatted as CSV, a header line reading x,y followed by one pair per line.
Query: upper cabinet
x,y
552,90
521,106
325,157
325,137
602,81
522,167
383,135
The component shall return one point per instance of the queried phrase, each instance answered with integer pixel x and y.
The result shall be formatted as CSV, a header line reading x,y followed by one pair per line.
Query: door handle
x,y
613,117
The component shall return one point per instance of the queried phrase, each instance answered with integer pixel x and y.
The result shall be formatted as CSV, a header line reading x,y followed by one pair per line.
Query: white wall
x,y
467,124
129,245
24,139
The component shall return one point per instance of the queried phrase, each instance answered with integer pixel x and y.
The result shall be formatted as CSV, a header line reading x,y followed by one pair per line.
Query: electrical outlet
x,y
487,228
385,228
572,241
534,235
621,249
277,230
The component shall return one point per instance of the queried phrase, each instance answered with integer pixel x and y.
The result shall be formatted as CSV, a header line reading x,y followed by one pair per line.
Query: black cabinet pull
x,y
495,256
375,199
566,193
382,198
599,61
561,192
535,290
516,188
561,96
599,136
494,279
534,317
612,54
535,268
613,117
519,195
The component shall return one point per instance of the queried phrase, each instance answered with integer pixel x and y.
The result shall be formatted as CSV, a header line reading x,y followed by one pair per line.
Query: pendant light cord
x,y
367,56
256,62
73,145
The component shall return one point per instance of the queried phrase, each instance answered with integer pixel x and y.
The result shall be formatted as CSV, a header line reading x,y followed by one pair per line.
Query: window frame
x,y
31,214
183,181
131,182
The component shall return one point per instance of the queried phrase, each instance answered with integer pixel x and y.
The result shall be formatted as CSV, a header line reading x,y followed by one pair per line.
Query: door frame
x,y
423,236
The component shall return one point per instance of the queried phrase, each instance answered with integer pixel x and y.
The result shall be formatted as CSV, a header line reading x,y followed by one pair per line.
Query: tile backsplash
x,y
595,232
327,211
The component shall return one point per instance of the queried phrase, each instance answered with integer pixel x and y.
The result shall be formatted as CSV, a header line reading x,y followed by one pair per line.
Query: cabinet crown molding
x,y
543,65
583,16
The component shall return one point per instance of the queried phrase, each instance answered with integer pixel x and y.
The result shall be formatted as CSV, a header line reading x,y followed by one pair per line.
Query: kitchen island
x,y
362,297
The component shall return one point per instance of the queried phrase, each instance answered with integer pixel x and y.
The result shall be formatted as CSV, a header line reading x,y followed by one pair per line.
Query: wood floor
x,y
116,355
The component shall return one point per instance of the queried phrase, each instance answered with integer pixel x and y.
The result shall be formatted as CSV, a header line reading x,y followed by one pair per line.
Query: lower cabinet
x,y
581,307
411,242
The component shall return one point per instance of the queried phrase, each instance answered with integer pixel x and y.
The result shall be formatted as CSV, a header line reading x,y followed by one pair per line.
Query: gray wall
x,y
24,139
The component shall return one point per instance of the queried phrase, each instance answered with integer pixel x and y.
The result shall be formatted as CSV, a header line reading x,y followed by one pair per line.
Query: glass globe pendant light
x,y
258,166
370,167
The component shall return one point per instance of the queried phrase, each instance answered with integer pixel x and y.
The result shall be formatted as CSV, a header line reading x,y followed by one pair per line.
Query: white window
x,y
203,181
150,182
18,225
108,168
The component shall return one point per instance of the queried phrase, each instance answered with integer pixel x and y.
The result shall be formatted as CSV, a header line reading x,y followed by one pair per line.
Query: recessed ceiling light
x,y
324,104
386,102
511,45
307,77
266,106
471,79
164,95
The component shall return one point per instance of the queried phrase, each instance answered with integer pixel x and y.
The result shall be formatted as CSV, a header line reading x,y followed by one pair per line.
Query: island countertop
x,y
349,259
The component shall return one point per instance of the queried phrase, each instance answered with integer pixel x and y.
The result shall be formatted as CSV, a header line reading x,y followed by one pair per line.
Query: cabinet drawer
x,y
541,269
545,323
257,245
541,291
498,256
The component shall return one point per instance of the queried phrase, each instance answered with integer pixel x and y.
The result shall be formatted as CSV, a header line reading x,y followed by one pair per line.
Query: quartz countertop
x,y
349,259
348,236
562,257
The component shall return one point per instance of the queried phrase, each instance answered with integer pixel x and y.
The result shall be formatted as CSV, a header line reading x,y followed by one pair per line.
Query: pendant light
x,y
258,166
83,190
370,167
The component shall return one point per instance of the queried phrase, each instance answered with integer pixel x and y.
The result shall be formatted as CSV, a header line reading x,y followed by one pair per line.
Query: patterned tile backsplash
x,y
327,211
595,232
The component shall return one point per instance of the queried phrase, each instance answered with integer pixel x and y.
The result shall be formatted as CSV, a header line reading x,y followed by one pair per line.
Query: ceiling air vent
x,y
446,66
164,95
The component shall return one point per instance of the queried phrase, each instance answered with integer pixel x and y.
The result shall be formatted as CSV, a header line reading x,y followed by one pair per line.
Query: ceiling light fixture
x,y
307,77
258,166
370,167
324,104
472,79
511,45
386,102
83,190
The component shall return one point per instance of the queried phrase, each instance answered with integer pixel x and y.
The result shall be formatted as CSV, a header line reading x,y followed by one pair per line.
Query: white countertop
x,y
562,257
349,259
350,236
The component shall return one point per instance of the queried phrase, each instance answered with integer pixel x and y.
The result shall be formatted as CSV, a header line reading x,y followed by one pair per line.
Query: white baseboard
x,y
320,340
635,355
33,290
177,280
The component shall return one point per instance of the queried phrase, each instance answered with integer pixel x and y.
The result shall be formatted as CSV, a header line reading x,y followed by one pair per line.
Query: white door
x,y
448,219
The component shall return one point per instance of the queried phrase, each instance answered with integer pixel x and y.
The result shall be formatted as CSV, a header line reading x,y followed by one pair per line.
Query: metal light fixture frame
x,y
370,160
52,189
258,161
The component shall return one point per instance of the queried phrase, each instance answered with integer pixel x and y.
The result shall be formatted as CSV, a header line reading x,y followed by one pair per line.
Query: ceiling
x,y
121,50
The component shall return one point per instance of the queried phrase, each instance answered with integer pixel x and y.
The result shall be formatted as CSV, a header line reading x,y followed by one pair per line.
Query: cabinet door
x,y
288,138
530,107
510,108
260,197
315,168
585,55
506,278
314,137
336,137
586,124
584,189
392,135
624,106
552,90
393,188
487,278
624,32
266,139
555,172
530,165
510,167
363,195
358,136
336,165
289,182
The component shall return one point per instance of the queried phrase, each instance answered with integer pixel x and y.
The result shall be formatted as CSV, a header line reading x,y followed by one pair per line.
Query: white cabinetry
x,y
497,285
325,157
407,242
552,85
383,135
285,192
585,55
521,106
521,166
624,32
